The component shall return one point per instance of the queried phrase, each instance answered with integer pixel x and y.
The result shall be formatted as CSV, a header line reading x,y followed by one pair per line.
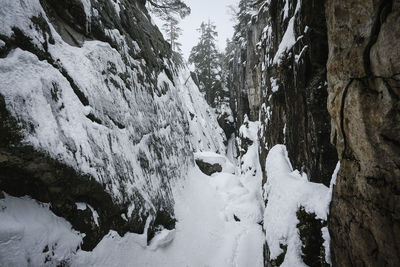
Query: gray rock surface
x,y
363,85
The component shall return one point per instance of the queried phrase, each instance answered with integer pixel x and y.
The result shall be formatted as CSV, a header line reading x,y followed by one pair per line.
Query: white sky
x,y
203,10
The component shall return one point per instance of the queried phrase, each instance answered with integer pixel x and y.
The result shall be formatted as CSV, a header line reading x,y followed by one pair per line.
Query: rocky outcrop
x,y
236,82
280,69
363,85
279,76
282,74
291,76
94,110
208,168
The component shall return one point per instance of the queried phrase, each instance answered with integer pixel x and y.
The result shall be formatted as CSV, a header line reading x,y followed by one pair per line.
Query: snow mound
x,y
241,203
203,236
162,239
31,235
286,191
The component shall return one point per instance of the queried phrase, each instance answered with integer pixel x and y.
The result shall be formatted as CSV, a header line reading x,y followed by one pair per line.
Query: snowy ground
x,y
31,235
219,223
206,234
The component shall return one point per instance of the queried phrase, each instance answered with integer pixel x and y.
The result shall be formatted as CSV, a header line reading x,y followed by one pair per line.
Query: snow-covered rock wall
x,y
320,74
93,110
286,76
278,78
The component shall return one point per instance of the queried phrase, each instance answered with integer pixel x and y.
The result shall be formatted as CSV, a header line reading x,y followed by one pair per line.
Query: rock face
x,y
208,168
236,83
364,80
94,110
293,84
283,75
280,74
288,81
284,70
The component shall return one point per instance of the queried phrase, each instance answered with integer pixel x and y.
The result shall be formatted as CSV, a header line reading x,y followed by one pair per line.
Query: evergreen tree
x,y
173,32
243,17
207,62
166,8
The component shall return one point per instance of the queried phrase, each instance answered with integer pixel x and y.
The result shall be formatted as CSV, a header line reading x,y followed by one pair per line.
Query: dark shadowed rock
x,y
310,231
208,168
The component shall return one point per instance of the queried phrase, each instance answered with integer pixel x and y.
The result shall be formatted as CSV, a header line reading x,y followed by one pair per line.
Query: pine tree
x,y
166,8
243,17
206,60
173,32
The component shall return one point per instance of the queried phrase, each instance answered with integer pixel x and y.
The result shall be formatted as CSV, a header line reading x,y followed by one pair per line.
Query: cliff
x,y
93,110
99,123
363,86
322,78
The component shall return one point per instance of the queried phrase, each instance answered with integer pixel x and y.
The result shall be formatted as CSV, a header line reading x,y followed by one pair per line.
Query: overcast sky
x,y
203,10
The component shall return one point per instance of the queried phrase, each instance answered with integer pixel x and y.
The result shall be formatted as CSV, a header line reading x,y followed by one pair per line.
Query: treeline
x,y
214,69
216,72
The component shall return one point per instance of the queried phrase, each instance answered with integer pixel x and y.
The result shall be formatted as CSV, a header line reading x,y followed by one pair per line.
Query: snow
x,y
286,10
325,232
31,235
214,158
162,239
164,128
84,206
288,39
204,234
274,85
249,129
132,125
250,171
117,7
231,151
286,191
326,244
223,108
207,135
174,124
15,14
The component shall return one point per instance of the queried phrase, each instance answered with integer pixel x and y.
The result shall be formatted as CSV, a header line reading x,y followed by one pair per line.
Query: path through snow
x,y
206,232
